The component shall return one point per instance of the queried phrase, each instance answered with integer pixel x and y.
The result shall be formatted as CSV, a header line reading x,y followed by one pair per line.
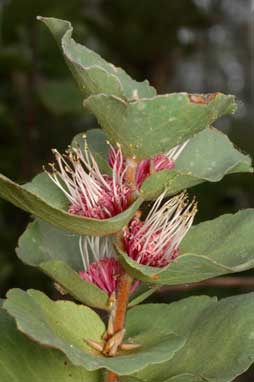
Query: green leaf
x,y
45,200
147,127
216,247
209,156
180,317
65,326
25,361
57,253
60,97
219,348
93,74
185,378
177,317
98,146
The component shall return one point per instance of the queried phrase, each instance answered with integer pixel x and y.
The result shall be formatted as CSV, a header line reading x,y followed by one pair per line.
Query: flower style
x,y
155,241
101,266
147,167
90,193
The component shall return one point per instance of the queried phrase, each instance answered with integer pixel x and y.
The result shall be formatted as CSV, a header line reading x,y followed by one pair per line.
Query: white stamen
x,y
76,182
170,223
175,152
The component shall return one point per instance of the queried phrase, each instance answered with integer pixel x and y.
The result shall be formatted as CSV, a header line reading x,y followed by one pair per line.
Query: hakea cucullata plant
x,y
112,224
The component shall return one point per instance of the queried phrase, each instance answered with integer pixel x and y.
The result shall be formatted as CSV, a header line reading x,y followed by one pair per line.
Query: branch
x,y
220,282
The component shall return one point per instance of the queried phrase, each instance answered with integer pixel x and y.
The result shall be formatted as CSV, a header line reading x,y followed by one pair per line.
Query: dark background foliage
x,y
187,45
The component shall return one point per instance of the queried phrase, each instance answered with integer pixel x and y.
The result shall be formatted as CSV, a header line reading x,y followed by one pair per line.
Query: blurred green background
x,y
187,45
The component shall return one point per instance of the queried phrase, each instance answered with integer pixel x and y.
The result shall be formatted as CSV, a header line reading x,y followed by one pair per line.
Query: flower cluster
x,y
96,195
90,193
152,242
155,241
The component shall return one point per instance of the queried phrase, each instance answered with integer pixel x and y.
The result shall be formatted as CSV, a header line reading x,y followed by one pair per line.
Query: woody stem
x,y
124,287
111,377
125,281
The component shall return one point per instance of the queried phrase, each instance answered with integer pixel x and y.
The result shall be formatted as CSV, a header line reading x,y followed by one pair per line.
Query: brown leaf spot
x,y
203,99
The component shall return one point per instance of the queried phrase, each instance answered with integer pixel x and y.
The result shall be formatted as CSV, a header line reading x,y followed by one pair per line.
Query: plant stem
x,y
111,377
121,307
125,281
122,301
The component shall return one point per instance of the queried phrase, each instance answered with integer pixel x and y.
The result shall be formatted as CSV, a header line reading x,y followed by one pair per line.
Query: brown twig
x,y
218,282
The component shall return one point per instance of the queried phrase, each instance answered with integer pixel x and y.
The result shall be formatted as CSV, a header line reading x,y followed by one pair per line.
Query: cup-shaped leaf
x,y
45,200
208,156
220,345
216,247
93,74
66,326
23,360
57,253
150,126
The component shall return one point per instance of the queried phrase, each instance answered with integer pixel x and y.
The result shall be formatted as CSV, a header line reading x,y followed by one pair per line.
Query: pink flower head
x,y
100,263
91,193
155,241
146,167
158,163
